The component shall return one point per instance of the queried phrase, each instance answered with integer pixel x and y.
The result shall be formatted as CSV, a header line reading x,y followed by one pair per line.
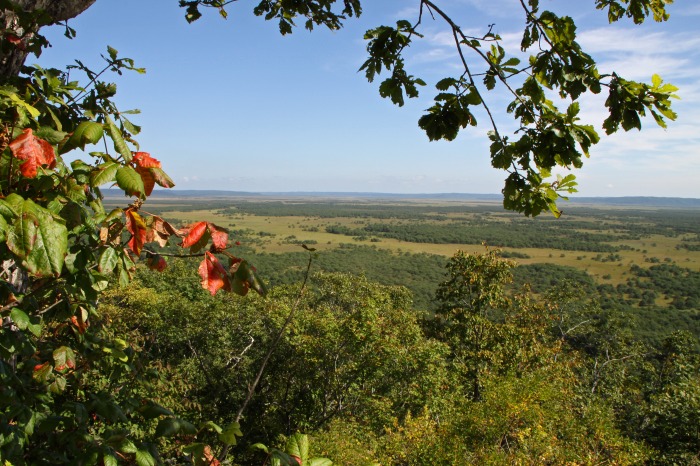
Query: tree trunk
x,y
20,26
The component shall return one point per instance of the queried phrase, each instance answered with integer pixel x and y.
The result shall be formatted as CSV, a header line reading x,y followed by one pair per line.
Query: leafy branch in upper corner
x,y
558,68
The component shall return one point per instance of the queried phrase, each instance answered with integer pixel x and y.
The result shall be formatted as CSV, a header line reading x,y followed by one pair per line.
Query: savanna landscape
x,y
144,326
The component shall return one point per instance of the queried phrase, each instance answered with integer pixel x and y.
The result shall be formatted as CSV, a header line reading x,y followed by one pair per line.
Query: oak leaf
x,y
34,151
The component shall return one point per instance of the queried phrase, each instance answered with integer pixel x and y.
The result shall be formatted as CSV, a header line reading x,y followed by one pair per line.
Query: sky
x,y
233,105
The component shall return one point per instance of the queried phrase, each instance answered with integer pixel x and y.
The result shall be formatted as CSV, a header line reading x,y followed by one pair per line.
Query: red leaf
x,y
193,233
16,41
34,151
156,262
149,180
144,160
219,237
39,367
214,276
137,228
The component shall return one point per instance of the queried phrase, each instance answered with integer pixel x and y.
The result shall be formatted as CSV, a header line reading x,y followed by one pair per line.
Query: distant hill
x,y
628,201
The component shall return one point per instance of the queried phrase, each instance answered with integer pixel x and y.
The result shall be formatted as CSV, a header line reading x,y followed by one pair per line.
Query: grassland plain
x,y
407,242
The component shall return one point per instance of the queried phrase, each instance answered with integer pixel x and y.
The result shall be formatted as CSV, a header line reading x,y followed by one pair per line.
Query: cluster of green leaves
x,y
547,137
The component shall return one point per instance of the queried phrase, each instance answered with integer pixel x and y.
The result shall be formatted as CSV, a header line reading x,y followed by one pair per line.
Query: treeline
x,y
513,235
417,272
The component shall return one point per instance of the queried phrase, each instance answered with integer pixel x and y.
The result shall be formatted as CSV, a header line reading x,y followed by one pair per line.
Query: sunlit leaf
x,y
214,276
34,151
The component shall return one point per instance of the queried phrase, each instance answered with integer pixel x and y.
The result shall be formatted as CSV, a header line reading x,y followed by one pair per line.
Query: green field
x,y
624,255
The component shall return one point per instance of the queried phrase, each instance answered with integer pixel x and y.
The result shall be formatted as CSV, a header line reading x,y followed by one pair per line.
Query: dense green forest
x,y
495,375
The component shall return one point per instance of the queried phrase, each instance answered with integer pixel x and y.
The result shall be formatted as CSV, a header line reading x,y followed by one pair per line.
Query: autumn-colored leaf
x,y
16,41
34,151
209,456
149,180
214,276
79,323
156,262
144,160
42,372
219,237
160,231
193,234
111,234
162,178
137,227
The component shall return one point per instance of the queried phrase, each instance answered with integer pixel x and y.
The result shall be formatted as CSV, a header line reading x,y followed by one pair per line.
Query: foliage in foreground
x,y
497,377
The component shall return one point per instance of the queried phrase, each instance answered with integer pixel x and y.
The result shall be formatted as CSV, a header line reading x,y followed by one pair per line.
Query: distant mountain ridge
x,y
636,201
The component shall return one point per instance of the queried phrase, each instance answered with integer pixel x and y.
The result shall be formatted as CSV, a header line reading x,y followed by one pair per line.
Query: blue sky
x,y
231,104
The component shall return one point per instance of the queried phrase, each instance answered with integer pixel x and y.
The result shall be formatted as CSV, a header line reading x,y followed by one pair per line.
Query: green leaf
x,y
154,410
229,434
20,318
298,445
130,181
210,425
104,173
162,178
319,462
112,52
170,426
3,229
127,446
109,460
261,447
108,260
130,127
63,358
144,458
87,132
39,238
119,143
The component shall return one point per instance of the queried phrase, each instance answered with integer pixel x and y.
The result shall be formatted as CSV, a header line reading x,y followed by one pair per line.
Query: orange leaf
x,y
144,160
149,180
214,276
137,228
209,456
78,322
219,237
193,233
34,151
